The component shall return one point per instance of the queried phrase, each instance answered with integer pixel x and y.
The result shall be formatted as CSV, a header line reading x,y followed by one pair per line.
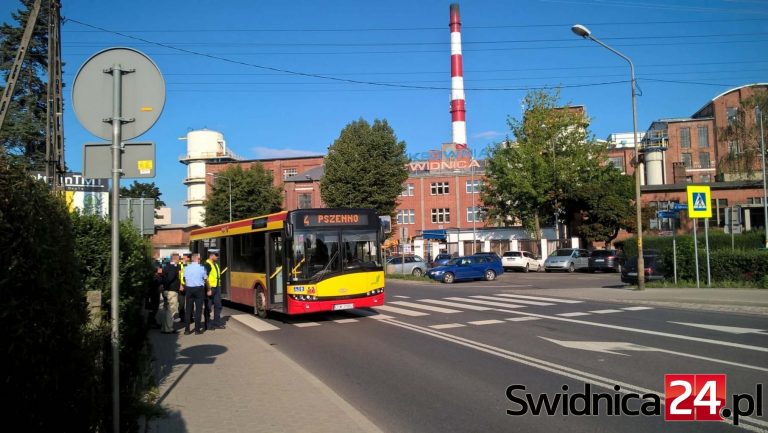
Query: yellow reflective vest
x,y
214,274
181,274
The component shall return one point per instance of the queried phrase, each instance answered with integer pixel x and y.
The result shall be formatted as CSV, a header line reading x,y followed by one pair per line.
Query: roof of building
x,y
727,92
308,176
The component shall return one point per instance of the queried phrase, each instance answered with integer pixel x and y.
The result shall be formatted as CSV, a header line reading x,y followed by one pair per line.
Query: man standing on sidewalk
x,y
185,258
214,281
171,286
195,279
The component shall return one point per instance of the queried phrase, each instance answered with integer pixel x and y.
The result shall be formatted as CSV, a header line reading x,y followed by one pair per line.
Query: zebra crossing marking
x,y
609,311
519,301
485,322
637,308
448,326
456,304
402,297
402,311
491,303
522,319
541,298
305,324
575,314
345,320
425,307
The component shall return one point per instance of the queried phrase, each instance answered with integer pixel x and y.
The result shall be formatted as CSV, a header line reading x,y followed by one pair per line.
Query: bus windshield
x,y
316,254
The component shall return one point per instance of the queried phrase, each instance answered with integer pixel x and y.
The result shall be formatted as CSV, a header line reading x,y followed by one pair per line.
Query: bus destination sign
x,y
335,219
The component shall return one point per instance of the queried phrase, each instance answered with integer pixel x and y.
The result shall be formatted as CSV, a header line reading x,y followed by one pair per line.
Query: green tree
x,y
552,157
742,133
23,133
365,167
253,194
143,190
606,205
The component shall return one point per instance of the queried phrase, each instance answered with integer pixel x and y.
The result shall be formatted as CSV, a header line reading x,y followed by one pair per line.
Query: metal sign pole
x,y
674,248
117,127
706,240
696,251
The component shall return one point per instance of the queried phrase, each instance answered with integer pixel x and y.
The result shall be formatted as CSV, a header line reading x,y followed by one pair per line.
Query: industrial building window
x,y
719,206
288,172
305,200
703,136
408,190
441,215
473,186
754,200
703,159
440,188
687,160
406,216
706,178
685,137
731,112
473,214
617,161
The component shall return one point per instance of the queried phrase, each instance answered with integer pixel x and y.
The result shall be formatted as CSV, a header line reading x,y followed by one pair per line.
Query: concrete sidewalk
x,y
743,301
232,381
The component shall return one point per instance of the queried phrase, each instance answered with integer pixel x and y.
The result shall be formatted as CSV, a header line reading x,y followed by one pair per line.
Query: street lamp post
x,y
584,32
229,181
474,209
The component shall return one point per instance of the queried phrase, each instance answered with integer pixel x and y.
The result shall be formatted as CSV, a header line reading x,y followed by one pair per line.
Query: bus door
x,y
276,271
225,248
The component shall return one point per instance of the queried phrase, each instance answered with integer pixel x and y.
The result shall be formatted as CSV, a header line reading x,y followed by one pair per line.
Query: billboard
x,y
89,196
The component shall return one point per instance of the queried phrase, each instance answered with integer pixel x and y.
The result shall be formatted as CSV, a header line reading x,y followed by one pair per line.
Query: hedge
x,y
56,366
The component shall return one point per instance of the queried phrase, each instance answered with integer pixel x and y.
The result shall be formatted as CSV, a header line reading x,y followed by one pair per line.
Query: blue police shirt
x,y
194,275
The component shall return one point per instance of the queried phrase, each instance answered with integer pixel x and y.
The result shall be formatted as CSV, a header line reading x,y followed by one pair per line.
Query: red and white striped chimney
x,y
458,119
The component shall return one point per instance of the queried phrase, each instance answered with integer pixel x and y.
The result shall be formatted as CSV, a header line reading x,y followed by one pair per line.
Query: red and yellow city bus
x,y
300,261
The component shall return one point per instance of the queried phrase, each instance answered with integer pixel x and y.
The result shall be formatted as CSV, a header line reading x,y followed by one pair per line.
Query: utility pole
x,y
13,76
54,132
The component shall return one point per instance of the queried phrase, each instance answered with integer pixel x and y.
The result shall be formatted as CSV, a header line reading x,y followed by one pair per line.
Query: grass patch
x,y
410,277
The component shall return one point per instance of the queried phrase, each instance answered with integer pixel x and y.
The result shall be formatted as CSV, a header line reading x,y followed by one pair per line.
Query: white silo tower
x,y
203,146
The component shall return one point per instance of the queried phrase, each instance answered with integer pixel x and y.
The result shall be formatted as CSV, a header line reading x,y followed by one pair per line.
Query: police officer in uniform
x,y
214,282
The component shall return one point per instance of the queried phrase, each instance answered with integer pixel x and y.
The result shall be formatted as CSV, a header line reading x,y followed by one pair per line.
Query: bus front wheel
x,y
260,303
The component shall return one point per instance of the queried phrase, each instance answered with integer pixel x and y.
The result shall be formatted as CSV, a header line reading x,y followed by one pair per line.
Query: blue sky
x,y
685,53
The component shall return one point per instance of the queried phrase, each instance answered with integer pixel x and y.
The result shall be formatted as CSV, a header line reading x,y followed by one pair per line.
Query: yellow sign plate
x,y
699,201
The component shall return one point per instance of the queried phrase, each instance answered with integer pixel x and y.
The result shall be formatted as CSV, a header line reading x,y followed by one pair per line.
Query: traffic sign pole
x,y
706,239
696,251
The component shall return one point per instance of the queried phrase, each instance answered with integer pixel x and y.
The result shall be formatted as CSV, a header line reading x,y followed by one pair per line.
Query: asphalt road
x,y
439,357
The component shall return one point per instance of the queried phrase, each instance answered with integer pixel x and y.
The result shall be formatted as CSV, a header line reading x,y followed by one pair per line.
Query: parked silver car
x,y
413,265
567,259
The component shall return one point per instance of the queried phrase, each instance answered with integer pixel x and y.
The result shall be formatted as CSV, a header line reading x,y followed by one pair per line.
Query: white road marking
x,y
729,329
305,324
574,314
613,347
402,311
448,325
485,322
522,319
254,323
519,301
747,423
637,308
345,320
481,302
404,297
456,304
605,311
540,298
425,307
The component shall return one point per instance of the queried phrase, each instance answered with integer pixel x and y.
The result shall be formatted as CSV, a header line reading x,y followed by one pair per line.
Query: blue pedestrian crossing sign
x,y
699,201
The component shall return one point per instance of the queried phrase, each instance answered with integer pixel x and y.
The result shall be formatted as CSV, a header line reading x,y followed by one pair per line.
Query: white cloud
x,y
488,134
269,152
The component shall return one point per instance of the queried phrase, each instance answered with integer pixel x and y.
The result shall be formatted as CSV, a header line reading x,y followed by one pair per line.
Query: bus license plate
x,y
343,306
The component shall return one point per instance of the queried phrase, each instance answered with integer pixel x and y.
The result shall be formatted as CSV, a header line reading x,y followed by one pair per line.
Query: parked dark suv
x,y
604,260
652,270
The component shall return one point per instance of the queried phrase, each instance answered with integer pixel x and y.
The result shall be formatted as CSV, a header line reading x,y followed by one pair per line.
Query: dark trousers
x,y
216,300
194,300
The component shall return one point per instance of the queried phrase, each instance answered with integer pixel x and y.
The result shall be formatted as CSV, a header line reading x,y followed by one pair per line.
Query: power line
x,y
326,77
395,29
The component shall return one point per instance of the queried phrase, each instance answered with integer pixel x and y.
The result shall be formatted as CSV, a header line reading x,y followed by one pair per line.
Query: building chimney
x,y
458,119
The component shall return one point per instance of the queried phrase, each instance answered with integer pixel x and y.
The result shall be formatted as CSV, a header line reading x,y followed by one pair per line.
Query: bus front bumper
x,y
304,307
